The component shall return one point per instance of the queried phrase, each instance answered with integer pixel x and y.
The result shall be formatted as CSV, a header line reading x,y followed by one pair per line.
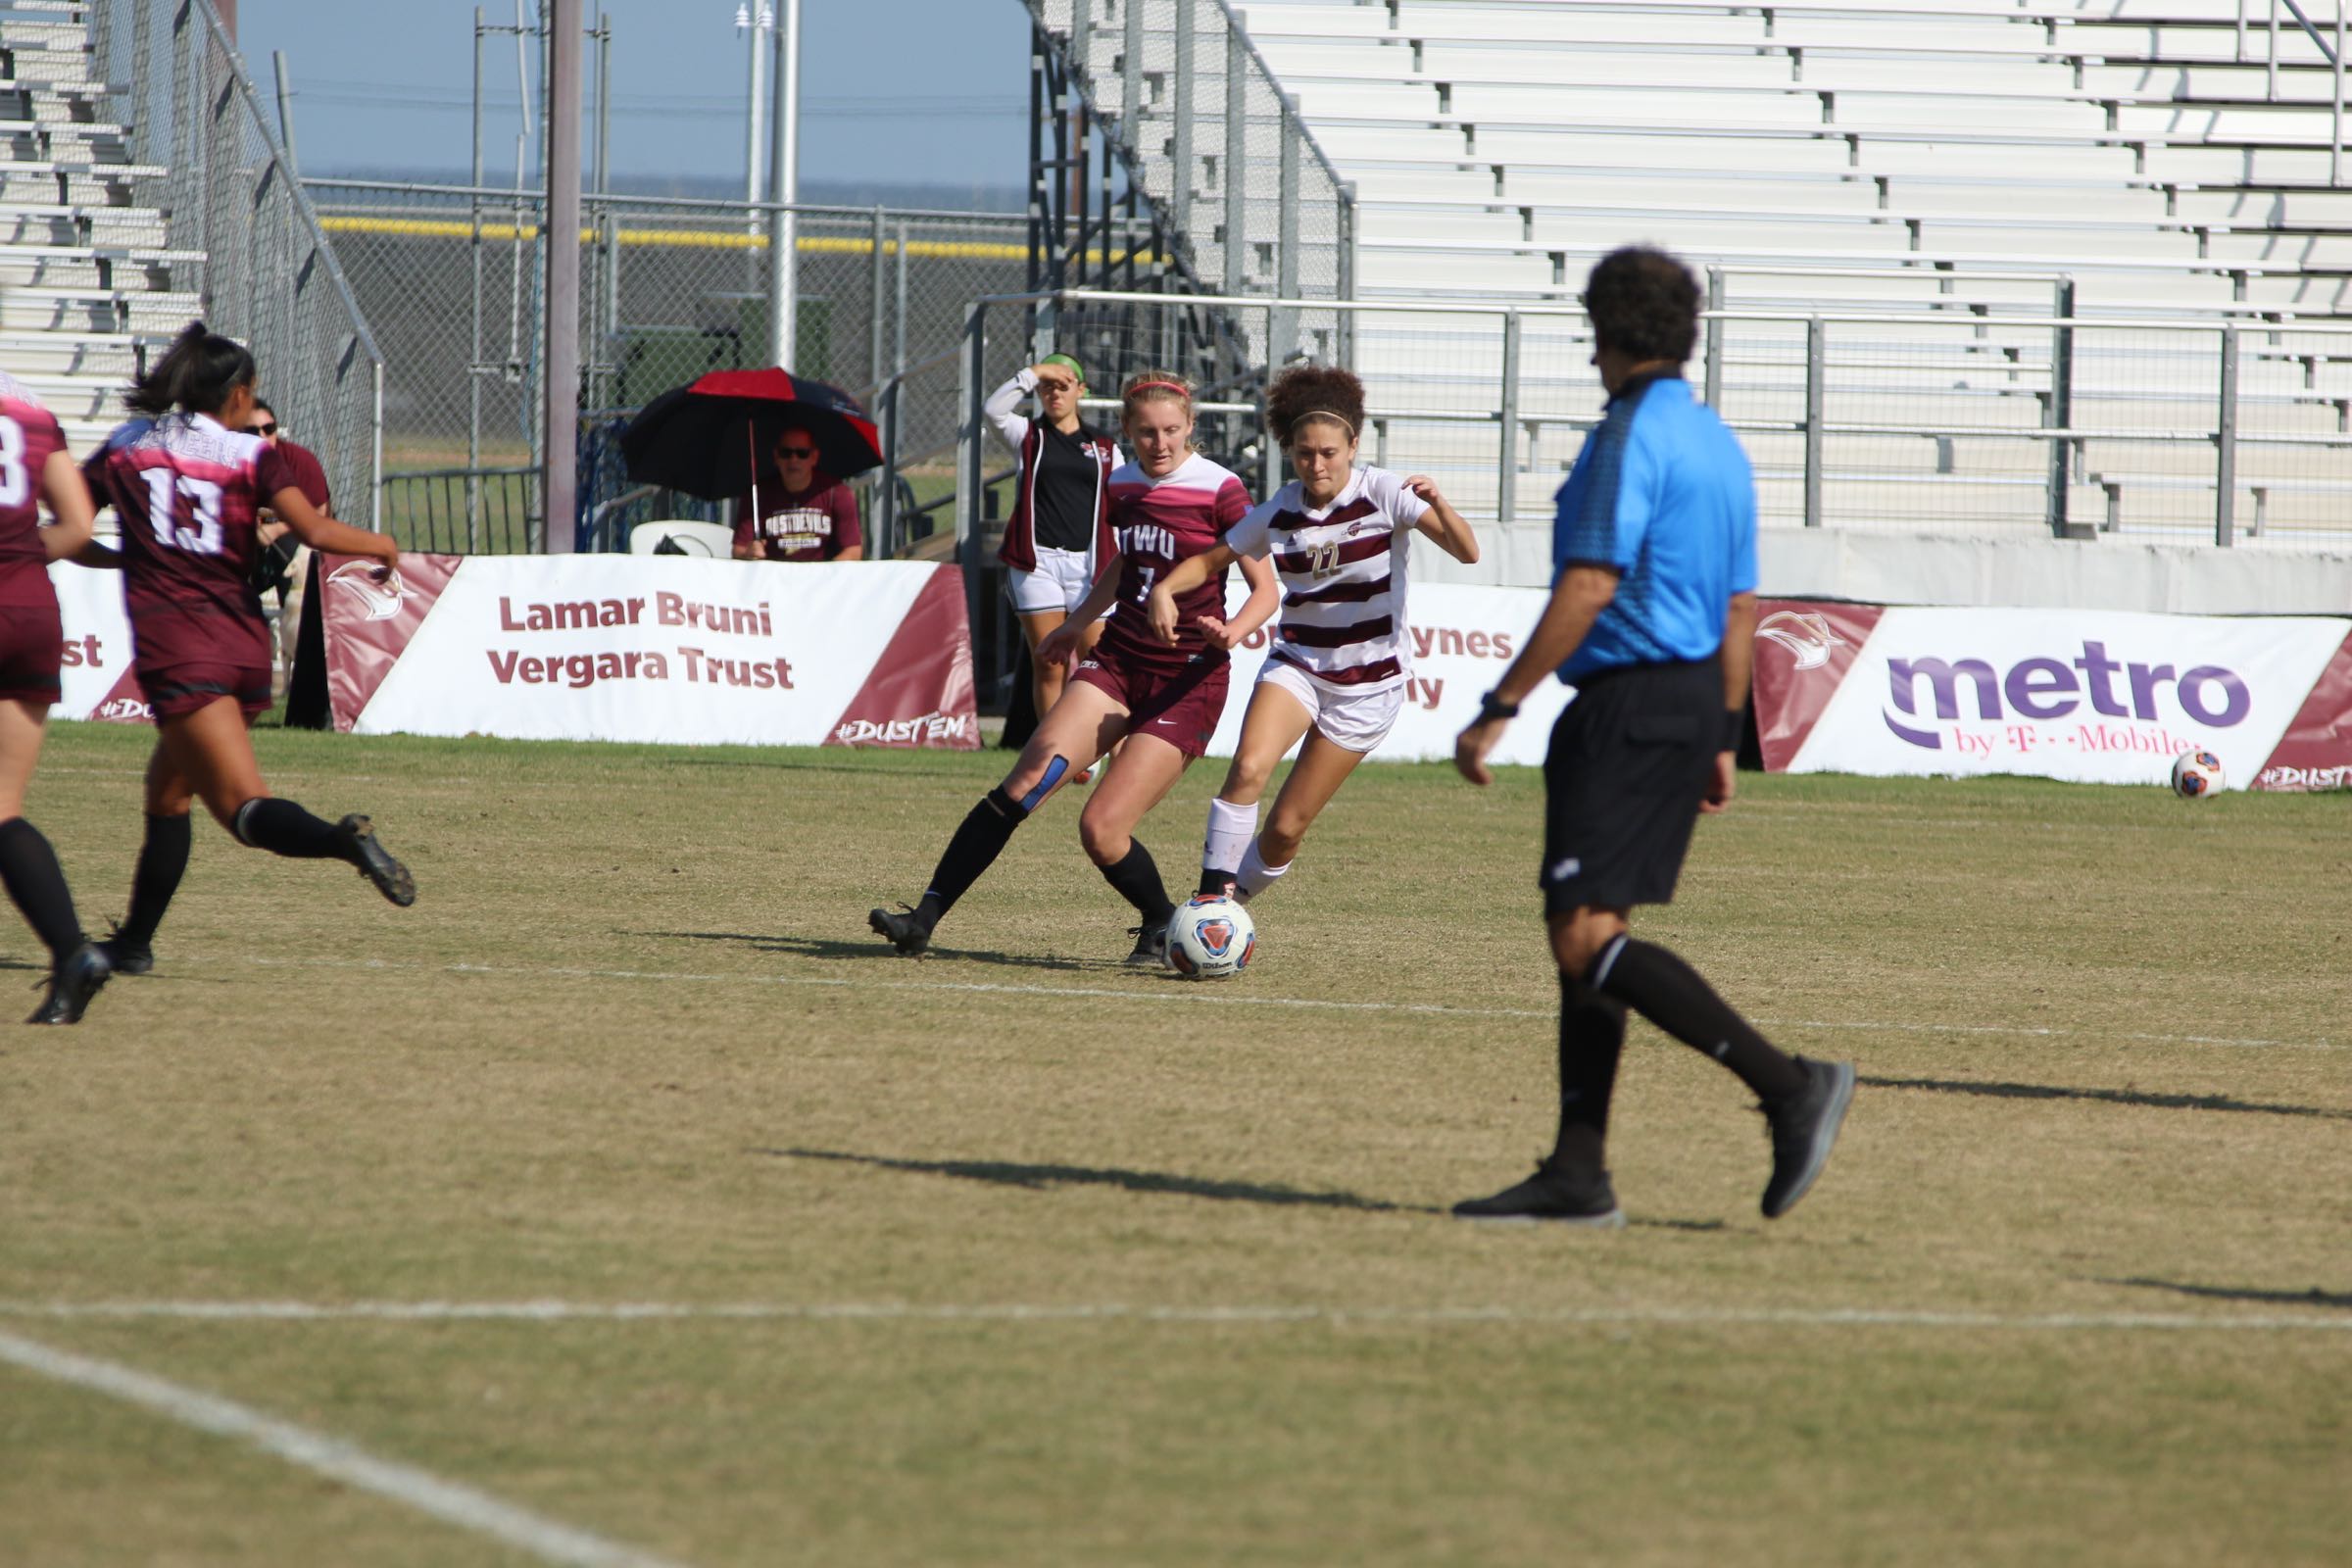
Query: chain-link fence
x,y
247,251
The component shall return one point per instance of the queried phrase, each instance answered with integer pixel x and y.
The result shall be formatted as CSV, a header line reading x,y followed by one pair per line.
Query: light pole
x,y
754,147
784,239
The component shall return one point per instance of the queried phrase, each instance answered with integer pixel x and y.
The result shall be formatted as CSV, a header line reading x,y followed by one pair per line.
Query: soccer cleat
x,y
1150,945
1804,1127
356,834
906,932
76,981
1556,1194
124,956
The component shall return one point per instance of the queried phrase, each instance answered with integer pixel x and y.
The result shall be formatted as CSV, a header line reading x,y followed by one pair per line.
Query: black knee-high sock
x,y
37,883
1591,1036
1136,875
981,837
1660,987
163,861
281,827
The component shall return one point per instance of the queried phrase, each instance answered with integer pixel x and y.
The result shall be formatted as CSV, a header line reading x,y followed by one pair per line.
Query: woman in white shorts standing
x,y
1336,673
1060,532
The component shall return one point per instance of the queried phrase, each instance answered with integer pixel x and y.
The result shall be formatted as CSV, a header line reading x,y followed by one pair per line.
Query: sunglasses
x,y
796,453
261,429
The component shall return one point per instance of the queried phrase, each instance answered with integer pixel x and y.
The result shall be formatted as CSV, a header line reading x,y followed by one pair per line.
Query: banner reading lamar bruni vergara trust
x,y
650,648
2107,697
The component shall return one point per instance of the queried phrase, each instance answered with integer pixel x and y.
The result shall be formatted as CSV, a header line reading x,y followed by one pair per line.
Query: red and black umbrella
x,y
707,438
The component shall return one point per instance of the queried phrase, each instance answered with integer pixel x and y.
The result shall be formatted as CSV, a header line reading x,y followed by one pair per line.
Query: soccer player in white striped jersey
x,y
1336,674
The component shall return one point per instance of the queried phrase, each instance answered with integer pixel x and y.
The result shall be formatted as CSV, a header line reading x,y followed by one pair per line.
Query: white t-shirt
x,y
1343,577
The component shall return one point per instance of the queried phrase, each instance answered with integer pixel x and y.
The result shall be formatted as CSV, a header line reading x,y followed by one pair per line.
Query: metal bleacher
x,y
1922,185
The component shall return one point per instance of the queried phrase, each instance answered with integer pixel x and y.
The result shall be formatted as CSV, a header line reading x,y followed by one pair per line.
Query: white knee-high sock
x,y
1255,875
1230,830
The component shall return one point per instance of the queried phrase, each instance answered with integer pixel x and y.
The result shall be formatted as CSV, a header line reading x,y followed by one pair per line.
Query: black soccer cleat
x,y
357,835
1556,1194
1804,1128
1150,945
124,956
904,927
76,981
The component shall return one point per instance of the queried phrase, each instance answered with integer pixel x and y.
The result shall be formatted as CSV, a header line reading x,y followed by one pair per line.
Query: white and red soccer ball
x,y
1210,938
2196,774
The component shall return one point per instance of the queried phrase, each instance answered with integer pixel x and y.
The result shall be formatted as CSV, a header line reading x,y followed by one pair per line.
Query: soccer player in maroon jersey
x,y
189,491
1167,505
33,461
1340,534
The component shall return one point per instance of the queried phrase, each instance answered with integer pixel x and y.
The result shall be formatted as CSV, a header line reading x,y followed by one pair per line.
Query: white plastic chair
x,y
693,538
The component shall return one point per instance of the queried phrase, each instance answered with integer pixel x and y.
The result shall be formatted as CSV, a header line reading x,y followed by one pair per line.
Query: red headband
x,y
1142,387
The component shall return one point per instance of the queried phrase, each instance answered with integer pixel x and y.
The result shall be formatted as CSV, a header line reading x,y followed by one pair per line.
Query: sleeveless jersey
x,y
190,491
1343,577
29,436
1159,523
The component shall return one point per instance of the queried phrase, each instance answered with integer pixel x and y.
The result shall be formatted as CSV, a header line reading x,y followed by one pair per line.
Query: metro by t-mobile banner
x,y
2105,696
651,647
1463,638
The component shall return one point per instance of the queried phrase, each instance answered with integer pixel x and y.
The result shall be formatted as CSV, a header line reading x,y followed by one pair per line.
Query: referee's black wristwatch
x,y
1491,706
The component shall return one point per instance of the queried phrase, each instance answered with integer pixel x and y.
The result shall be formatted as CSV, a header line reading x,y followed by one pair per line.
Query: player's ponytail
x,y
195,375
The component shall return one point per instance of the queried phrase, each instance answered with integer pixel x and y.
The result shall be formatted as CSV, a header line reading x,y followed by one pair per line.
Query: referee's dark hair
x,y
1644,303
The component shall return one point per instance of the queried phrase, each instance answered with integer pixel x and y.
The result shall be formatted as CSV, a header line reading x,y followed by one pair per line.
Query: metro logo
x,y
2046,687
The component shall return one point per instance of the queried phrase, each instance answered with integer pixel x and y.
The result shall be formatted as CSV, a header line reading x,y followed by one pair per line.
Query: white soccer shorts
x,y
1356,720
1059,582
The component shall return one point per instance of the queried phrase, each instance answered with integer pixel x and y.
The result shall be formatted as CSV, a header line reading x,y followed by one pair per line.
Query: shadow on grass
x,y
829,947
2111,1097
1040,1178
2314,1297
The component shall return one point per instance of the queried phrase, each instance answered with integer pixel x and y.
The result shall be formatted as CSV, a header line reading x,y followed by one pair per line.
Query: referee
x,y
1653,619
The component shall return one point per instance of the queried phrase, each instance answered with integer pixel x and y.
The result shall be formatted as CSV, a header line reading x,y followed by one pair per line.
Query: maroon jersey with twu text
x,y
1157,524
28,437
189,492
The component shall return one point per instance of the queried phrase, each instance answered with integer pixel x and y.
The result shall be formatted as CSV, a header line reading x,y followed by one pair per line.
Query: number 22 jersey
x,y
190,493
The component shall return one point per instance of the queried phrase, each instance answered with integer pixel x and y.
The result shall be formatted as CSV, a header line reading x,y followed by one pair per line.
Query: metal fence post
x,y
2335,134
2271,76
1816,354
1346,355
1237,155
971,376
2224,440
1713,394
874,309
1285,329
1131,75
2058,412
1507,470
1180,183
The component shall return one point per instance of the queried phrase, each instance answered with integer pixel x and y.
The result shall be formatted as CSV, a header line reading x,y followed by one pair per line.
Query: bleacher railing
x,y
210,160
2218,431
2333,54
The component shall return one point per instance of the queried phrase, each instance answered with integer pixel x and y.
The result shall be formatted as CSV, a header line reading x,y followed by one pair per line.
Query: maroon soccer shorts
x,y
33,641
185,661
1180,704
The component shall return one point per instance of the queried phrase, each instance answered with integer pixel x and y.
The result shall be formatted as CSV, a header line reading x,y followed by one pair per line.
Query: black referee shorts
x,y
1630,762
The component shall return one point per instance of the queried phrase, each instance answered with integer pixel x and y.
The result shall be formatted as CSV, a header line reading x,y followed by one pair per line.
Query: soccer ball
x,y
1210,938
2196,774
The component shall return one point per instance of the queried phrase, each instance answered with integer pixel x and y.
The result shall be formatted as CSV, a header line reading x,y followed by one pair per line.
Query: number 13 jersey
x,y
190,493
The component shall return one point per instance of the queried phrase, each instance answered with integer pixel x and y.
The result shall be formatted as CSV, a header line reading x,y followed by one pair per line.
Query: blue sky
x,y
895,91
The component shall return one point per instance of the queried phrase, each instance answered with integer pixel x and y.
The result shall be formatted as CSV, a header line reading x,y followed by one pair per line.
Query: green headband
x,y
1076,369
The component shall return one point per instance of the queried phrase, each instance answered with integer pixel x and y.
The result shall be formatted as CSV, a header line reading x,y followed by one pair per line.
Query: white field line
x,y
426,1493
1120,1312
1230,995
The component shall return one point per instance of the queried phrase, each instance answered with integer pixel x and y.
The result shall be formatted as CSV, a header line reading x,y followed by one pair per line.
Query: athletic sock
x,y
281,827
37,883
163,861
981,837
1591,1038
1255,875
1658,985
1231,828
1137,877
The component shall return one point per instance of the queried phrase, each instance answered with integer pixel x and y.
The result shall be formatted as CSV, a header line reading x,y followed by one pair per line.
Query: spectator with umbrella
x,y
776,443
802,513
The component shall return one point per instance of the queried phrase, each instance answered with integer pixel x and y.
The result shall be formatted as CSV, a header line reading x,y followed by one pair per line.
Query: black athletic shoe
x,y
1555,1193
376,862
124,956
74,983
1804,1127
905,931
1150,945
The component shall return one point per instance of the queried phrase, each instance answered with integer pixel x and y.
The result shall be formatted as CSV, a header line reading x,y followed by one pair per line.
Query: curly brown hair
x,y
1644,303
1305,392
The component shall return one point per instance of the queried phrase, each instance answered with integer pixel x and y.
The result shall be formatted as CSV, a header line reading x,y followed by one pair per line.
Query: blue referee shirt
x,y
1661,493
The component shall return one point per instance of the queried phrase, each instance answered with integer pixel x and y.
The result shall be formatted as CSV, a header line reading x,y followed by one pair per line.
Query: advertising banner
x,y
1463,638
96,678
2104,697
650,648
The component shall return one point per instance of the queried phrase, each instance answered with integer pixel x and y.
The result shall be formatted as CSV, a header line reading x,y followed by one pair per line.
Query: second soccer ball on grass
x,y
1210,938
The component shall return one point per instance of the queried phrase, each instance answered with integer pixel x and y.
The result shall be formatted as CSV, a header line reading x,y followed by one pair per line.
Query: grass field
x,y
1013,1257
